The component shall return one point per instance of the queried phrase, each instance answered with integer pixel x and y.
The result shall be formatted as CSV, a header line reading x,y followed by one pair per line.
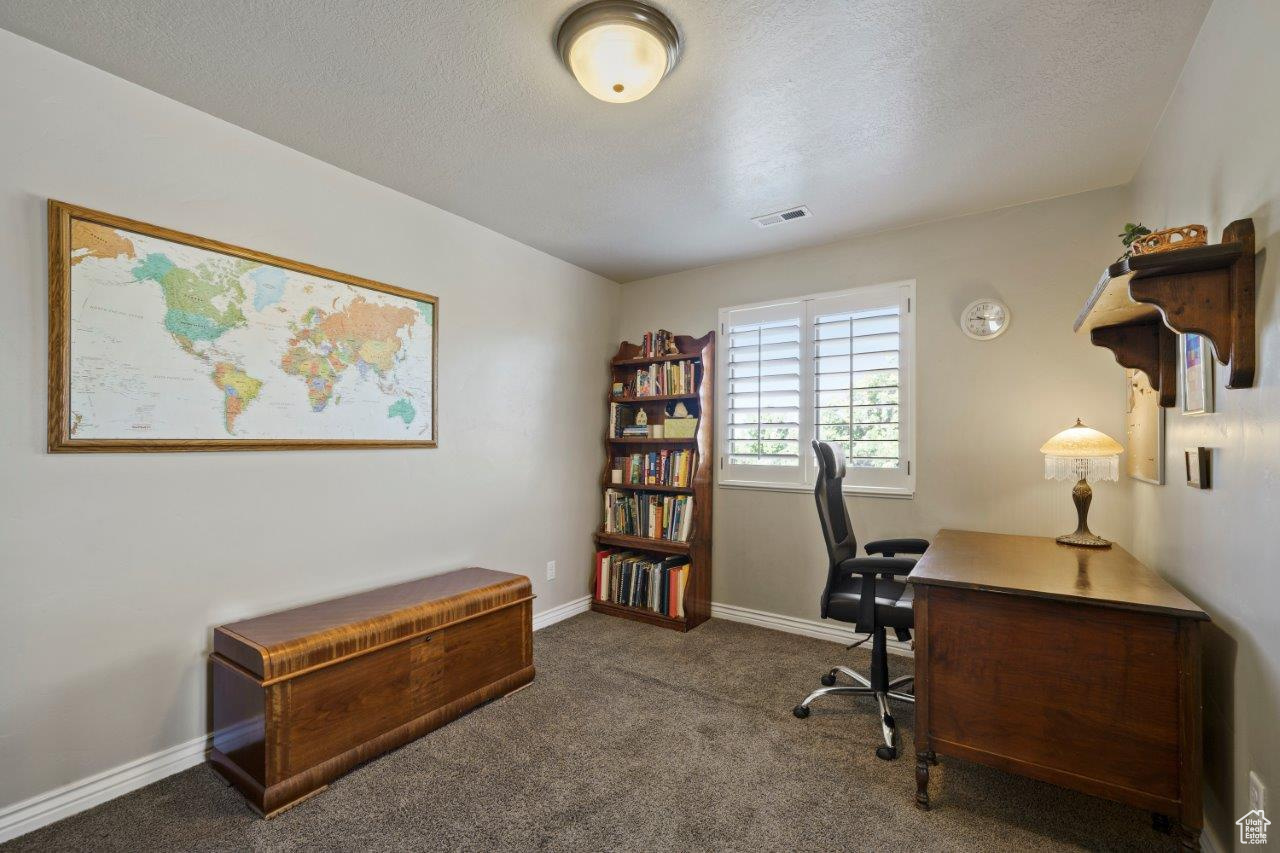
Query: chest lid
x,y
278,645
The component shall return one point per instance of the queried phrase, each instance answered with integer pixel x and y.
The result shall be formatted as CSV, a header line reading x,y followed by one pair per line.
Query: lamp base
x,y
1082,495
1085,539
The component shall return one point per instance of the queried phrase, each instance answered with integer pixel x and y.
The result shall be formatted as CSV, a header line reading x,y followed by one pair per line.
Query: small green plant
x,y
1132,231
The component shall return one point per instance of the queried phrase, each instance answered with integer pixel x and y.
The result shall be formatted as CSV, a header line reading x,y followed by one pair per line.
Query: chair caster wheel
x,y
886,753
828,680
800,711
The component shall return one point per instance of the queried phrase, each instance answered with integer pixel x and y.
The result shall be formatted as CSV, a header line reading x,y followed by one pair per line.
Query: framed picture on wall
x,y
1144,430
1197,462
1197,375
160,340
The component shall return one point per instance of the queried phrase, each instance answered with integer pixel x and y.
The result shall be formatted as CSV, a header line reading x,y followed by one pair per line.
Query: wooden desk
x,y
1076,666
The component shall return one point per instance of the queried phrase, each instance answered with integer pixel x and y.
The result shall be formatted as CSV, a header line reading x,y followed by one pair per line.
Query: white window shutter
x,y
762,430
859,343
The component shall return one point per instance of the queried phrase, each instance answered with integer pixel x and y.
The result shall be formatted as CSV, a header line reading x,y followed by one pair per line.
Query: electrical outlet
x,y
551,570
1257,792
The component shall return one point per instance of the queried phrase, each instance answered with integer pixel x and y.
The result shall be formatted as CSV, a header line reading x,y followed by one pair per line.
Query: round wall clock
x,y
984,319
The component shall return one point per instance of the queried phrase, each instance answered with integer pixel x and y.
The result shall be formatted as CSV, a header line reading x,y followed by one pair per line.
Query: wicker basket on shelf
x,y
1169,239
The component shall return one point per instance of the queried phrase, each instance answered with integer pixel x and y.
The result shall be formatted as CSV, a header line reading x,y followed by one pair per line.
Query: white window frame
x,y
876,482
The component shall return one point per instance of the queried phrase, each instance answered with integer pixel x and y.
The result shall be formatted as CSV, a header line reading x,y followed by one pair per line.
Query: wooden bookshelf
x,y
623,368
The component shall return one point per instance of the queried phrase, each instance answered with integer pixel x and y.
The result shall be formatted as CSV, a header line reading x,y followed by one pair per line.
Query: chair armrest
x,y
869,567
877,566
891,547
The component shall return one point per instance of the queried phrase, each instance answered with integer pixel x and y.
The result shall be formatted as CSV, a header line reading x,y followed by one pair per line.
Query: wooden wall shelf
x,y
655,398
639,439
642,543
1143,302
622,367
638,615
640,361
641,487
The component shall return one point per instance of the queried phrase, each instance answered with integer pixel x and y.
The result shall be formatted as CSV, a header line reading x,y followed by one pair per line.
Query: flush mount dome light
x,y
619,50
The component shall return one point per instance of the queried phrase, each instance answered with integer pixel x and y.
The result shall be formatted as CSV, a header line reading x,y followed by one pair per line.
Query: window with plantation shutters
x,y
837,367
763,395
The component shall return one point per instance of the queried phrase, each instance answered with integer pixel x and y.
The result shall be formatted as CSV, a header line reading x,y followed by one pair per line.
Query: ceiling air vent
x,y
771,219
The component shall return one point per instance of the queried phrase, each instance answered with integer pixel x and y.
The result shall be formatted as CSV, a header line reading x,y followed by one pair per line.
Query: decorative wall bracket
x,y
1143,300
1217,303
1147,346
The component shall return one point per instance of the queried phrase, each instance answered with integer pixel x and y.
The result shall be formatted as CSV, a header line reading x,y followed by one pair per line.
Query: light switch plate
x,y
551,570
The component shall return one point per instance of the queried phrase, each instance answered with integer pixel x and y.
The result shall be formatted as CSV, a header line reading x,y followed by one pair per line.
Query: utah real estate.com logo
x,y
1253,827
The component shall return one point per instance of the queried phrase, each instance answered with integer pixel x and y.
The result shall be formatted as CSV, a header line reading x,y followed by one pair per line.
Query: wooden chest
x,y
302,696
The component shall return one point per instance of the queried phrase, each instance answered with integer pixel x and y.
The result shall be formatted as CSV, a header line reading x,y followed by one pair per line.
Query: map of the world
x,y
171,341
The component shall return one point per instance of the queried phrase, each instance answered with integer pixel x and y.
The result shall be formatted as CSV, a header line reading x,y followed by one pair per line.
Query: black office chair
x,y
885,604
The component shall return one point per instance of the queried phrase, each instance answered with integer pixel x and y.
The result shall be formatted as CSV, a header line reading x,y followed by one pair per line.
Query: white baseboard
x,y
51,806
558,614
44,809
836,632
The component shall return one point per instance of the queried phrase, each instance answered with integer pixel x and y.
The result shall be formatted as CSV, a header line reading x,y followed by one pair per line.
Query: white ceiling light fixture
x,y
619,50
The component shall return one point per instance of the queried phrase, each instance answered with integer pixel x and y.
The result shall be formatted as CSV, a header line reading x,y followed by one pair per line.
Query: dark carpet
x,y
635,738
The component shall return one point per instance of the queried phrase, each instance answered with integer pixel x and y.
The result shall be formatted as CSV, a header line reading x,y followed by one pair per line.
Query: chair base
x,y
889,750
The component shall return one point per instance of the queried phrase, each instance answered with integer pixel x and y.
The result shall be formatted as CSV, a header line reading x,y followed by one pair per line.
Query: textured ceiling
x,y
874,113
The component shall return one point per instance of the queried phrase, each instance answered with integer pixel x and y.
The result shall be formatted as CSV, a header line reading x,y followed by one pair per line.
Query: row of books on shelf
x,y
660,342
652,516
622,422
672,377
656,468
637,580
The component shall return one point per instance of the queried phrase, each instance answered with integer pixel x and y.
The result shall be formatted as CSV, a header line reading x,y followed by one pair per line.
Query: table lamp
x,y
1082,454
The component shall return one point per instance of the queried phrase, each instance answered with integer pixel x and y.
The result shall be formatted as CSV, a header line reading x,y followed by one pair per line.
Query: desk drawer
x,y
1068,693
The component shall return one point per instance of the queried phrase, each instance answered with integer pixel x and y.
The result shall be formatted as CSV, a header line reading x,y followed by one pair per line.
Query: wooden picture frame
x,y
1197,462
61,431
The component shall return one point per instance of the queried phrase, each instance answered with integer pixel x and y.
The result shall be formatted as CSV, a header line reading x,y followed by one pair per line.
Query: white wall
x,y
984,407
116,567
1215,158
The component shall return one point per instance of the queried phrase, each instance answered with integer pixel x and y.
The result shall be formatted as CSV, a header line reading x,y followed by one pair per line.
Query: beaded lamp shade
x,y
1081,453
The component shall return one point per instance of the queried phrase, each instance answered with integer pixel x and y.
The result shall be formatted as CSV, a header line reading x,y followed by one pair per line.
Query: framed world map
x,y
160,340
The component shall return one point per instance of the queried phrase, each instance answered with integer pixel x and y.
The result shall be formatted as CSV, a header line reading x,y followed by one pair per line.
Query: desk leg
x,y
923,760
924,751
1188,838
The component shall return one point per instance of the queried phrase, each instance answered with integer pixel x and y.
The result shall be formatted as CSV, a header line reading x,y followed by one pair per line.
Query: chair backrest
x,y
833,514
